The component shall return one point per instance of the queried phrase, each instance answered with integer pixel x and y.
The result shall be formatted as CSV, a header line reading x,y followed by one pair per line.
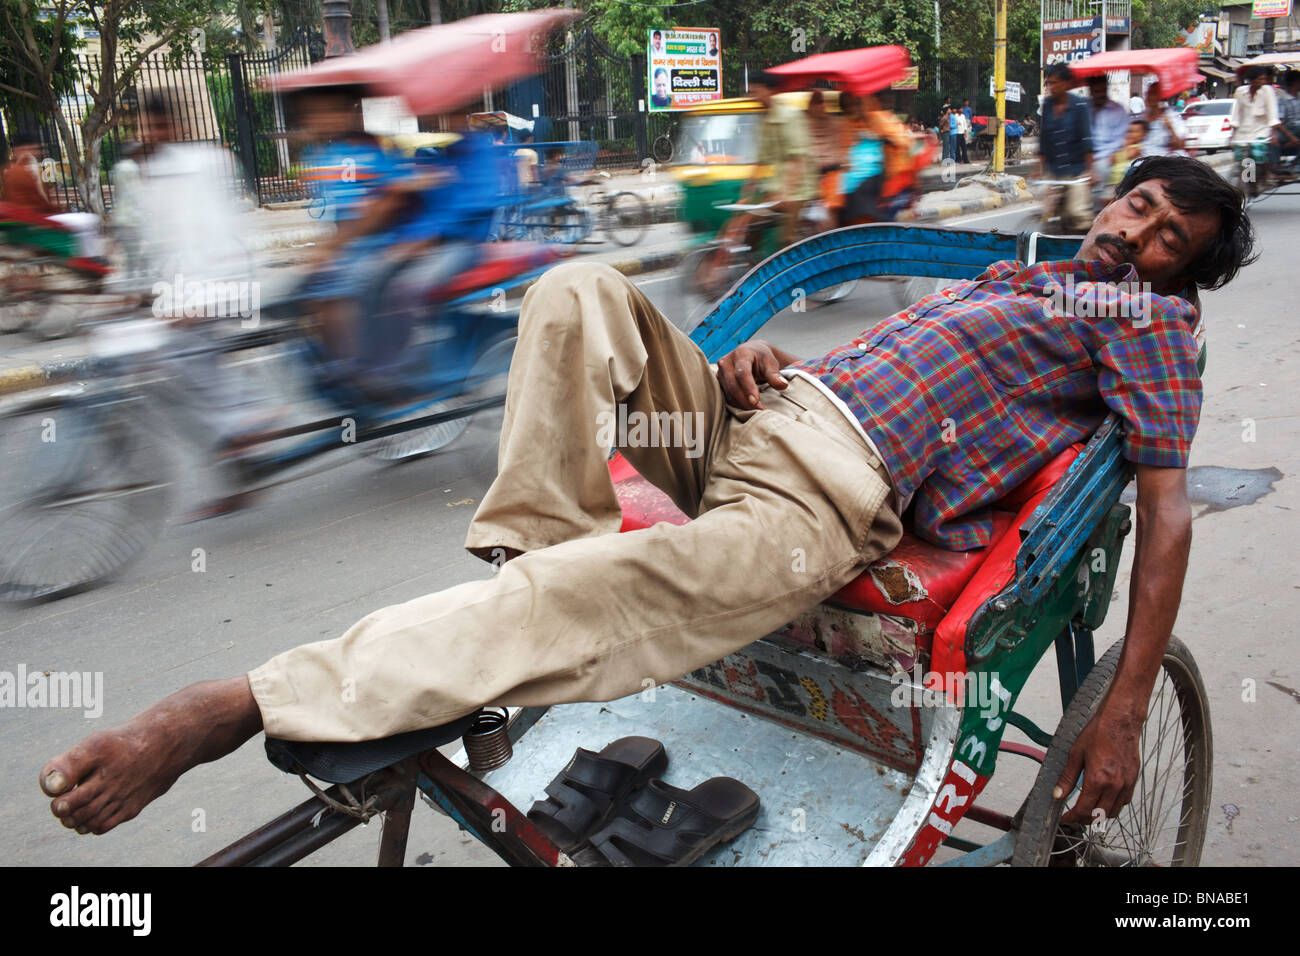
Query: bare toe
x,y
70,768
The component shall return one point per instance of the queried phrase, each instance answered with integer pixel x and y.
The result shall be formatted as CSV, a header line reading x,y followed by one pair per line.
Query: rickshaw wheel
x,y
88,492
1165,822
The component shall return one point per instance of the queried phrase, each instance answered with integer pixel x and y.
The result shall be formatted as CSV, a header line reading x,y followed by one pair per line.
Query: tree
x,y
1156,22
33,45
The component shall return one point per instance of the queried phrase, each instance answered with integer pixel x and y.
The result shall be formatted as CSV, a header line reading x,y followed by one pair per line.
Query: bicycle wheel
x,y
1165,822
85,493
703,276
419,442
568,224
662,150
486,382
834,293
626,218
23,298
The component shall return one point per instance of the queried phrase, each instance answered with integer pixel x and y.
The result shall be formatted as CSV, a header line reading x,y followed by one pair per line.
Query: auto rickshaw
x,y
717,148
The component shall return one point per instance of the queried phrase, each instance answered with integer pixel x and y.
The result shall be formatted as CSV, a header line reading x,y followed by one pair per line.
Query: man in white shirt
x,y
1136,105
1253,118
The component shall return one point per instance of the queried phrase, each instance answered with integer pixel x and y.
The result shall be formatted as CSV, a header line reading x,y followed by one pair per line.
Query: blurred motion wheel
x,y
626,218
85,492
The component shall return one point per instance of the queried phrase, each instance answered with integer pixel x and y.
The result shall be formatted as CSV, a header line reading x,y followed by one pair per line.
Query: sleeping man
x,y
942,409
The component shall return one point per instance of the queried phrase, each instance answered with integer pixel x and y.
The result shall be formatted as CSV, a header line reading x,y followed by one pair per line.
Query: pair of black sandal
x,y
611,809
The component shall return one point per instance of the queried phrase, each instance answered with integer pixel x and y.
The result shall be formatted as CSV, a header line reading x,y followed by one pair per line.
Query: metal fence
x,y
210,99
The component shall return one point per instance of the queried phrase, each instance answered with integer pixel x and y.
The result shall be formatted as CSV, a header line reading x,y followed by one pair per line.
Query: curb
x,y
948,210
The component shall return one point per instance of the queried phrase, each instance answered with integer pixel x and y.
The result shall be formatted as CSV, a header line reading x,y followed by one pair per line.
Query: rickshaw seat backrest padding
x,y
917,580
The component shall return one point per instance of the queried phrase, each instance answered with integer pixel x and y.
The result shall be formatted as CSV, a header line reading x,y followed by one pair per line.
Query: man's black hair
x,y
1139,121
1193,186
1058,71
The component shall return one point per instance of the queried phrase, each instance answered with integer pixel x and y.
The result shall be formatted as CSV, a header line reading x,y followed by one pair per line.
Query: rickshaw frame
x,y
1060,572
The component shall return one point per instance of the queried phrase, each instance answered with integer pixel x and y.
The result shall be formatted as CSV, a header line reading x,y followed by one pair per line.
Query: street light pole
x,y
337,15
1000,85
937,69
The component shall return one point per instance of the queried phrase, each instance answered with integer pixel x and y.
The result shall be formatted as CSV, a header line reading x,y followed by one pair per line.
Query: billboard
x,y
684,68
911,79
1271,8
1068,41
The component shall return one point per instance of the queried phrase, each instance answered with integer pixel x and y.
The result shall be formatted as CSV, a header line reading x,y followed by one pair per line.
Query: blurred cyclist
x,y
365,192
785,149
1253,119
182,216
21,185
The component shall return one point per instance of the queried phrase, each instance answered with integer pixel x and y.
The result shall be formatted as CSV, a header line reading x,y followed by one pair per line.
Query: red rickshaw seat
x,y
917,580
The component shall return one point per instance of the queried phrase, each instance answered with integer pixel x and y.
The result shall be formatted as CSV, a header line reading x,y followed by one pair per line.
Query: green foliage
x,y
1156,22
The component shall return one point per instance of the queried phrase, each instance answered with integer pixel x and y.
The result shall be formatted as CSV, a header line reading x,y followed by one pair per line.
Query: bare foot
x,y
111,776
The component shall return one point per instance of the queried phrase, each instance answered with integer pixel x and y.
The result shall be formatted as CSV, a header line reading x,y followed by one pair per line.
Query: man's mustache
x,y
1122,248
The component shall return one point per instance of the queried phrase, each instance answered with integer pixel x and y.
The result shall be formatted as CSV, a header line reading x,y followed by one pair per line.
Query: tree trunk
x,y
88,179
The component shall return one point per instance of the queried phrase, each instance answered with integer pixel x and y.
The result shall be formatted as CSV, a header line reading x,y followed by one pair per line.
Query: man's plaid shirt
x,y
974,389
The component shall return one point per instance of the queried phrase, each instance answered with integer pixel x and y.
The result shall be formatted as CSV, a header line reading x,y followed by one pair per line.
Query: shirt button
x,y
911,315
950,294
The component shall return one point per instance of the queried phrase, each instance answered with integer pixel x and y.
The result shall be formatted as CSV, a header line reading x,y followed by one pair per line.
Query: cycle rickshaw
x,y
870,725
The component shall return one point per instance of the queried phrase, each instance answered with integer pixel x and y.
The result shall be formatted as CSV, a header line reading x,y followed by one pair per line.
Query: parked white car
x,y
1206,124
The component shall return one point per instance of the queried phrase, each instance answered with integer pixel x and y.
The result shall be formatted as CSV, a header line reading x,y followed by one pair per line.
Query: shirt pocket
x,y
1026,351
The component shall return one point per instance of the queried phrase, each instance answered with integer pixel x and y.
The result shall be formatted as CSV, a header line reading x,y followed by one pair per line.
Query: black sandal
x,y
663,826
586,793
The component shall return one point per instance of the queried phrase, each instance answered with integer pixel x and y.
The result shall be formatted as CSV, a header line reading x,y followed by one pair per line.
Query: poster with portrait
x,y
684,68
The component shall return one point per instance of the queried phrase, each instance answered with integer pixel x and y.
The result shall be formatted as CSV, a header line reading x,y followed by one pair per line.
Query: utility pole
x,y
1000,85
381,14
936,46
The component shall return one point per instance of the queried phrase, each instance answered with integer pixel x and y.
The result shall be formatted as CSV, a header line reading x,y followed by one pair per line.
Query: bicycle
x,y
623,216
1285,172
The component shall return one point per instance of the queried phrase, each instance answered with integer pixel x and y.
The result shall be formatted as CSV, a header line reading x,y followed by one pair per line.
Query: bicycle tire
x,y
88,491
662,149
1043,842
626,218
569,224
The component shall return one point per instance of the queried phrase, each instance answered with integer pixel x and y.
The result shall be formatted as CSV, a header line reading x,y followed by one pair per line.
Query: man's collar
x,y
1047,278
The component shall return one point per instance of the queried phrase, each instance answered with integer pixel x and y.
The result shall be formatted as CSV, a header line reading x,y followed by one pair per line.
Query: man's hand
x,y
740,372
1106,751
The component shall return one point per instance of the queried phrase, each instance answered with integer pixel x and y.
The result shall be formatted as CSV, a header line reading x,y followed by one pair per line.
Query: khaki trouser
x,y
789,502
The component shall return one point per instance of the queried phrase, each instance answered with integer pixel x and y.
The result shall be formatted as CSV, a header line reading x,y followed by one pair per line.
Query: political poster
x,y
685,68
